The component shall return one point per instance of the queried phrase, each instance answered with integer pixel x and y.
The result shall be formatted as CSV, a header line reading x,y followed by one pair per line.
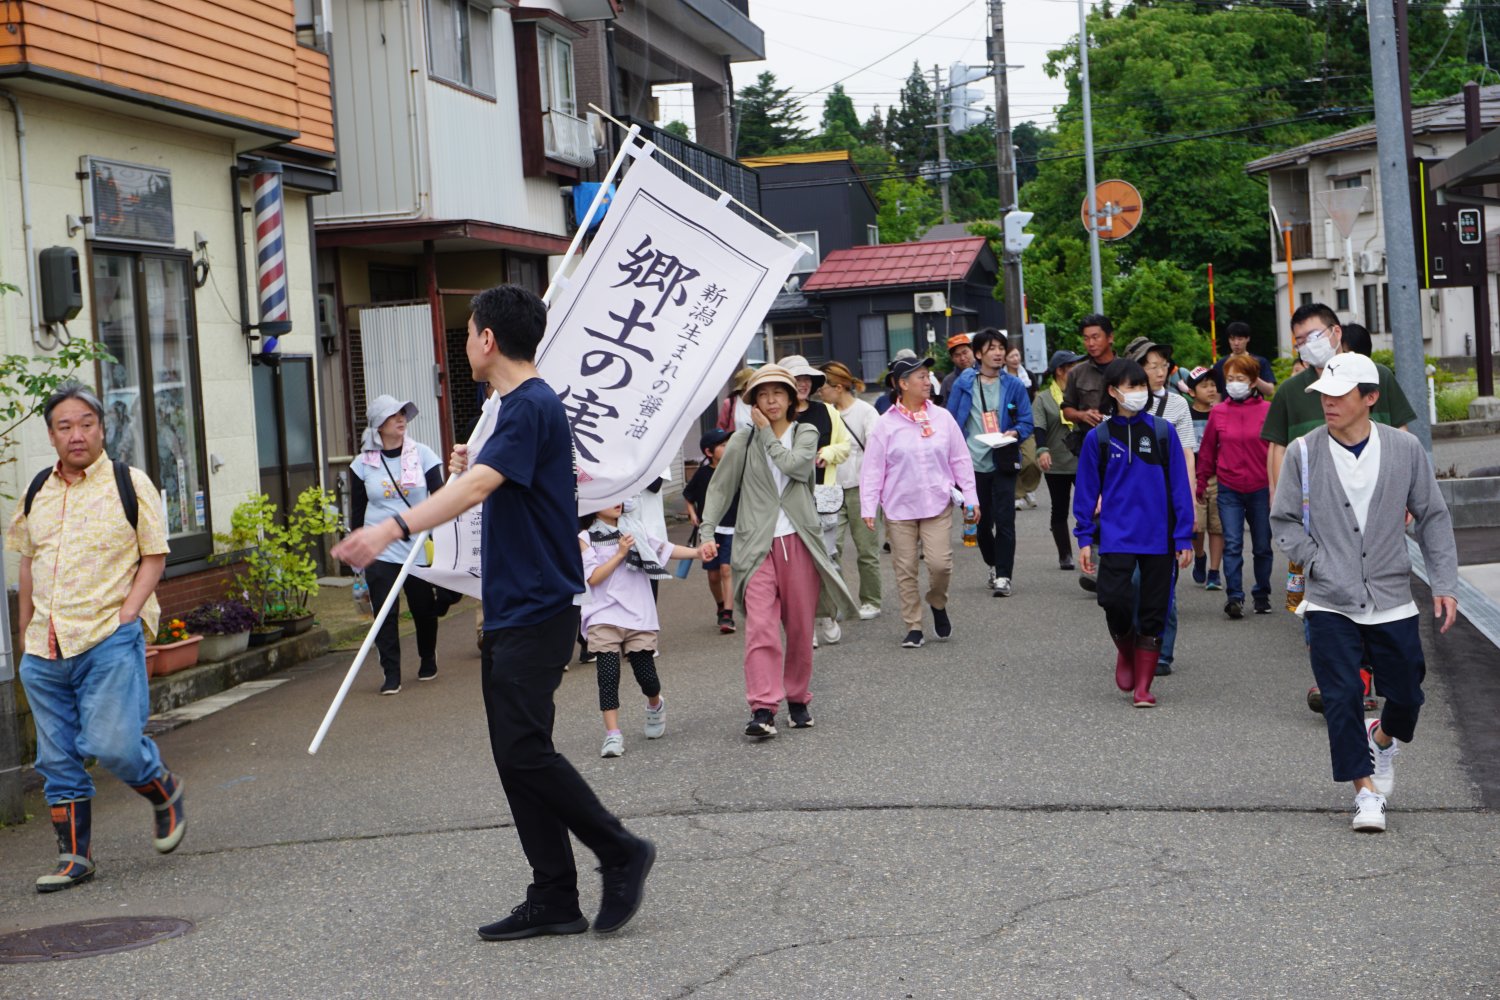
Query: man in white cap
x,y
1340,510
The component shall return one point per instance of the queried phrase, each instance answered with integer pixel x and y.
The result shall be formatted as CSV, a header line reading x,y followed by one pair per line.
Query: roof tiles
x,y
896,264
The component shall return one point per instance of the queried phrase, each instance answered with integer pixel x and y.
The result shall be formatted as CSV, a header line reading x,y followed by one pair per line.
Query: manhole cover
x,y
86,938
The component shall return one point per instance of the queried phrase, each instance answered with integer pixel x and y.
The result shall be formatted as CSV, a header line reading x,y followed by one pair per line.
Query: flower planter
x,y
150,661
265,636
175,656
217,648
293,626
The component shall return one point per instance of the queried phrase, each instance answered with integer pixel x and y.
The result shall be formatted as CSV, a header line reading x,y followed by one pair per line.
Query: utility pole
x,y
12,807
1088,155
942,137
1005,163
1484,354
1393,131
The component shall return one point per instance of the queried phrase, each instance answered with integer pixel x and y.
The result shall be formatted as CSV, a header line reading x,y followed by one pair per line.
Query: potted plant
x,y
225,627
277,573
176,648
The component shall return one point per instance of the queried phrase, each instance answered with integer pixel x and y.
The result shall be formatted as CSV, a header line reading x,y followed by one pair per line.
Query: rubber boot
x,y
1147,653
72,820
164,792
1124,661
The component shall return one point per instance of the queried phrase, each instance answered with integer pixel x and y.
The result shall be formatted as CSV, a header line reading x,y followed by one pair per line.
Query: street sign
x,y
1470,226
1119,206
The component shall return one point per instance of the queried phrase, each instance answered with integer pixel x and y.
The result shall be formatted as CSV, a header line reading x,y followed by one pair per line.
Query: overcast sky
x,y
811,45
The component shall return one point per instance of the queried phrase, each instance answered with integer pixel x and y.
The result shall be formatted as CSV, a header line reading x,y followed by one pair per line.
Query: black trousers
x,y
520,669
1117,594
1338,648
420,597
1060,489
997,519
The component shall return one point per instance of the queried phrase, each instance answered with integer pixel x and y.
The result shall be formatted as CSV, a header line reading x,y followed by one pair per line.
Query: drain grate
x,y
87,938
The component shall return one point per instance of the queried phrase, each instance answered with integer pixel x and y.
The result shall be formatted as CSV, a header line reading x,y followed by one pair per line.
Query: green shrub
x,y
1453,403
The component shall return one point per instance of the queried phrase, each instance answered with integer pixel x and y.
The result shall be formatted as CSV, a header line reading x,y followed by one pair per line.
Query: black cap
x,y
902,367
712,438
1060,358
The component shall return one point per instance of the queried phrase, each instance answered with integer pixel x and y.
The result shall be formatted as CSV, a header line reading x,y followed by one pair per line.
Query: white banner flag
x,y
455,545
652,323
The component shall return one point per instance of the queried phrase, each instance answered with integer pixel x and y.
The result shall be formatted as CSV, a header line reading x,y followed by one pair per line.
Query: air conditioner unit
x,y
1371,261
930,302
328,327
1333,247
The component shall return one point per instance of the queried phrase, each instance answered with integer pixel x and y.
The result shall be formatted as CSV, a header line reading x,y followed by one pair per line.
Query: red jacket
x,y
1231,447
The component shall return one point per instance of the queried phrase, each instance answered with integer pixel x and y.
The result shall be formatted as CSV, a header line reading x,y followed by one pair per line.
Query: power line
x,y
904,45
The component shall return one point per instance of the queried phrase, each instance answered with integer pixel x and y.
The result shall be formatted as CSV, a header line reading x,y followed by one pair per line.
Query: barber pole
x,y
270,253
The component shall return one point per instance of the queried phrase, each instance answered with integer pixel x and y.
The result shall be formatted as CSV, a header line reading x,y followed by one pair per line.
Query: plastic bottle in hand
x,y
1296,584
971,526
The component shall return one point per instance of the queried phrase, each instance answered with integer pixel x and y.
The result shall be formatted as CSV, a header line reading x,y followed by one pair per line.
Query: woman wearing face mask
x,y
1134,463
1233,450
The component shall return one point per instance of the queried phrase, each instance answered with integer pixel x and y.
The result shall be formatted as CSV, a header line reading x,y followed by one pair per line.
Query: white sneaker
x,y
1020,505
1369,812
1384,760
1002,586
829,627
868,611
614,745
656,719
1031,500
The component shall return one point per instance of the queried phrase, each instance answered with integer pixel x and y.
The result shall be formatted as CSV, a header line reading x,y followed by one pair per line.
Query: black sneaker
x,y
801,717
1163,668
533,920
392,685
913,639
445,601
1088,583
1262,604
941,626
1234,609
1065,563
624,888
762,724
427,671
726,621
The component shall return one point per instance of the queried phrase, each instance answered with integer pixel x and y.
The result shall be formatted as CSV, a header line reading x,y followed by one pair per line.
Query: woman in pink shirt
x,y
1233,450
916,463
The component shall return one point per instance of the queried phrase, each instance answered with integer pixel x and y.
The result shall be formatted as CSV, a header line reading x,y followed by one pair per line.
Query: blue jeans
x,y
94,704
1169,634
1235,509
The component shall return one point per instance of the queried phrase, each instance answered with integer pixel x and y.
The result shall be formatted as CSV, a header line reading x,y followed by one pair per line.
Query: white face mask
x,y
1237,390
1316,350
1135,400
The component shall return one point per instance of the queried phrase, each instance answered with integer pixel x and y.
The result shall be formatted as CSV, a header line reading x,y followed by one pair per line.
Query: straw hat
x,y
770,375
741,379
796,365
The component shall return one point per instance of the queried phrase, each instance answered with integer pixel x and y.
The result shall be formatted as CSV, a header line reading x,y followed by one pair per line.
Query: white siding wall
x,y
375,45
475,152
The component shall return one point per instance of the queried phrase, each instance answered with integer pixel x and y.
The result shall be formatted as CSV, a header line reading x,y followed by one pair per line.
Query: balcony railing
x,y
567,138
723,172
1302,242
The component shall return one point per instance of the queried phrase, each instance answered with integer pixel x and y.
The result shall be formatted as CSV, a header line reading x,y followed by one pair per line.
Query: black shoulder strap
x,y
36,487
128,499
1163,445
1161,405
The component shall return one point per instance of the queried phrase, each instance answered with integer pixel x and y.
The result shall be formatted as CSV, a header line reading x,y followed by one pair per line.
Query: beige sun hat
x,y
797,365
770,375
742,378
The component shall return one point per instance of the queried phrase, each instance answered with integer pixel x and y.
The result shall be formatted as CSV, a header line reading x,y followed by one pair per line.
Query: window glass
x,y
808,262
900,332
872,355
296,390
442,40
267,424
562,77
872,235
174,392
460,46
544,68
115,311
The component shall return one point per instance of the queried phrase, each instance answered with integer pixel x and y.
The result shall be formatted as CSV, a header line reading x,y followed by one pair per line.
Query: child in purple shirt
x,y
621,619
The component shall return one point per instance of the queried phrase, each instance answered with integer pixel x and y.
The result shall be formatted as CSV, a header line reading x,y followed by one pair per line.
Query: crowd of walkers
x,y
1160,469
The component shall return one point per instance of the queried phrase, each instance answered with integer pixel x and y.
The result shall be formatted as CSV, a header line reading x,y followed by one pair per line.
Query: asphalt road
x,y
986,817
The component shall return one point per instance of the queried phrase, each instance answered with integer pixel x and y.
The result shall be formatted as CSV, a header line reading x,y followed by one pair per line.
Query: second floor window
x,y
808,262
460,48
555,61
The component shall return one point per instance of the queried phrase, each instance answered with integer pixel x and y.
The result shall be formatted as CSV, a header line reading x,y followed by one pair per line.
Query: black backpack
x,y
123,483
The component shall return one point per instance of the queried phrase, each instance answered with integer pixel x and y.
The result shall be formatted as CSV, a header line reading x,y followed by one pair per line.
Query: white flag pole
x,y
421,538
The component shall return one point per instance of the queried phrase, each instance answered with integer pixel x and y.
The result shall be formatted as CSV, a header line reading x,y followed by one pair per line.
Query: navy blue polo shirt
x,y
529,557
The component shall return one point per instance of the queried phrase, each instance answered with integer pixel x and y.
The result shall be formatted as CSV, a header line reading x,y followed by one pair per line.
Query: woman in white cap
x,y
834,447
916,464
396,473
778,562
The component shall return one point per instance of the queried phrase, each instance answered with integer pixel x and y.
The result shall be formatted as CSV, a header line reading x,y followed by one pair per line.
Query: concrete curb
x,y
1444,430
199,682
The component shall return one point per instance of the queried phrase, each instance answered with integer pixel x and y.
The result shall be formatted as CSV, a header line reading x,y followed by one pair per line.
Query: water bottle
x,y
361,591
971,527
1296,583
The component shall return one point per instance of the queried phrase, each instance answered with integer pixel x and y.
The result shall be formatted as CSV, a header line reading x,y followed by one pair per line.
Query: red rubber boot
x,y
1125,661
1147,653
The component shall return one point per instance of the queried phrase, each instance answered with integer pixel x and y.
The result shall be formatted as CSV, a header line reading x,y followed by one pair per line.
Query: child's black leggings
x,y
607,667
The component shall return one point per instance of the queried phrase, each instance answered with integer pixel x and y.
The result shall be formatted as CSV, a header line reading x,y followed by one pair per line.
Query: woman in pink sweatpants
x,y
778,562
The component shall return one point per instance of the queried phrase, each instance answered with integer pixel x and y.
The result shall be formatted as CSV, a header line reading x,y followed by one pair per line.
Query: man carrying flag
x,y
532,572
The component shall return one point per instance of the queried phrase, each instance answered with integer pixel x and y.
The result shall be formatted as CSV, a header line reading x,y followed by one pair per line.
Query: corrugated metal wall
x,y
399,361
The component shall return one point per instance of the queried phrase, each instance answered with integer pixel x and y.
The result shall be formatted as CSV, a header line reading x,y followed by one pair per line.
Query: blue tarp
x,y
583,196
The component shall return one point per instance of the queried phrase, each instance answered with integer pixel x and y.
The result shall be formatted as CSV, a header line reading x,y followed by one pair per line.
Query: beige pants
x,y
1031,473
935,535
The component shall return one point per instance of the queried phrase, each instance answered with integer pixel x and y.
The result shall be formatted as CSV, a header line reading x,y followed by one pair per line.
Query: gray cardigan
x,y
1358,573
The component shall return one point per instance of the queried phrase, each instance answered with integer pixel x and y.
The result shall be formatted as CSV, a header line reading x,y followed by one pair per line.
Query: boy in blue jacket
x,y
1134,464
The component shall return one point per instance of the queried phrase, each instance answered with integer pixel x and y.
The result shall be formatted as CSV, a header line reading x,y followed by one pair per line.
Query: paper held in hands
x,y
999,440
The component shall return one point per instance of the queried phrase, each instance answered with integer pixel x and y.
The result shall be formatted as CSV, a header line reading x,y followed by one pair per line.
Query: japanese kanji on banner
x,y
652,323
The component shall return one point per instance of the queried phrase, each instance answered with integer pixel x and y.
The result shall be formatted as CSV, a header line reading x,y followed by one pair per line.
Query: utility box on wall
x,y
61,284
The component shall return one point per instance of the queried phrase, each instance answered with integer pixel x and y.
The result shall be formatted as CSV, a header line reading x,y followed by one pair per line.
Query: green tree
x,y
908,126
873,130
839,114
908,208
678,128
768,118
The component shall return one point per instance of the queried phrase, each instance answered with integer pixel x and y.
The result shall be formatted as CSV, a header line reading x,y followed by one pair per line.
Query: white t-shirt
x,y
784,524
859,420
1179,412
1358,474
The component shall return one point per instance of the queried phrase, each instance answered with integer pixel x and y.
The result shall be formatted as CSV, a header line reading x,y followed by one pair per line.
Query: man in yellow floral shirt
x,y
87,583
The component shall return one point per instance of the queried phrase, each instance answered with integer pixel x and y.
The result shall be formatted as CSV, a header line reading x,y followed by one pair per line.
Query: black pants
x,y
1338,648
1117,593
520,669
997,519
423,602
1060,489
